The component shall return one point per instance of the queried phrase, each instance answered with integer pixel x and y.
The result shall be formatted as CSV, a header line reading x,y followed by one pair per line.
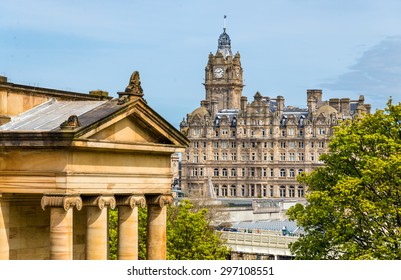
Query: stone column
x,y
4,229
97,226
156,233
128,226
61,224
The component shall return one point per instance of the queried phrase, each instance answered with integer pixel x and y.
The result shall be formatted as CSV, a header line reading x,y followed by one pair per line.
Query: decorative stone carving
x,y
71,123
101,201
134,86
132,201
161,200
63,201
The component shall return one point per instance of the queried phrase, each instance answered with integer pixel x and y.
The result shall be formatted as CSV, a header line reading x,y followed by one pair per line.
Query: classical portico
x,y
64,164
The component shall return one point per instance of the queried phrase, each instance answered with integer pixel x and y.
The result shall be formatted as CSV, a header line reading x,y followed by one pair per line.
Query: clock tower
x,y
223,77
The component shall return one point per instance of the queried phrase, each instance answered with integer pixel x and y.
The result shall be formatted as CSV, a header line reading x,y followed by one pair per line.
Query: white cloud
x,y
376,74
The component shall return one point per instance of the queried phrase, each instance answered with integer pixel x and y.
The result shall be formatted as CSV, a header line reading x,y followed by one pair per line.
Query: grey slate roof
x,y
49,115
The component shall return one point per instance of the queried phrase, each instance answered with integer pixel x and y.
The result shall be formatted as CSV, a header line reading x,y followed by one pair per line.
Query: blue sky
x,y
346,48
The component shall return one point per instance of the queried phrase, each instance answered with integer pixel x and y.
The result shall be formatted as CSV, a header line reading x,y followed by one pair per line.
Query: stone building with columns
x,y
255,149
66,158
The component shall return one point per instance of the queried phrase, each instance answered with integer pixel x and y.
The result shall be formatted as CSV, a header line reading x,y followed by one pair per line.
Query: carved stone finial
x,y
134,86
64,201
71,123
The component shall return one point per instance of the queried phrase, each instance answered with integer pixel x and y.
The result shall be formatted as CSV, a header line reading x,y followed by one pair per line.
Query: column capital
x,y
100,201
63,201
132,201
161,200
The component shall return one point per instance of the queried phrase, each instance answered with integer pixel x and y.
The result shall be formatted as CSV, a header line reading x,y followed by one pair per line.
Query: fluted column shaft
x,y
128,226
97,226
61,224
156,226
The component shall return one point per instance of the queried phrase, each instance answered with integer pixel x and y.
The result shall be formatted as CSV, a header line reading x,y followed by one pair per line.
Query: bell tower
x,y
223,76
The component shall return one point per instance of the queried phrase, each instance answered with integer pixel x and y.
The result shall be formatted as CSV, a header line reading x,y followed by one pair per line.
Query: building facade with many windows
x,y
255,149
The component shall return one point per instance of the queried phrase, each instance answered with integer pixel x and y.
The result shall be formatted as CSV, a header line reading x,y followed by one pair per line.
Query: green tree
x,y
354,201
189,234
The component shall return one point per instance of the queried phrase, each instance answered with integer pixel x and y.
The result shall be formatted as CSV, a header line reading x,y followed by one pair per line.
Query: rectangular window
x,y
301,156
224,144
224,132
291,144
291,131
312,156
252,171
253,156
233,144
282,156
224,156
233,156
282,144
271,172
196,144
216,156
215,144
292,156
300,144
243,172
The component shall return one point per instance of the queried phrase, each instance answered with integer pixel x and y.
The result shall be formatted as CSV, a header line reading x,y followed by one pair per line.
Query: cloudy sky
x,y
347,48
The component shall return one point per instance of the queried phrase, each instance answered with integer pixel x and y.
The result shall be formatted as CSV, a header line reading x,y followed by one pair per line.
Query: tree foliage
x,y
189,234
190,237
354,201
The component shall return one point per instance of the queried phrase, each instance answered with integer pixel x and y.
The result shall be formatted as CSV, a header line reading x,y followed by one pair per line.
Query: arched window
x,y
291,191
224,190
282,191
300,171
216,190
233,172
233,190
282,172
292,172
224,172
216,172
301,191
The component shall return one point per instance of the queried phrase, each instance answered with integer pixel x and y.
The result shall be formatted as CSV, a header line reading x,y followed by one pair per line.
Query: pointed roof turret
x,y
224,43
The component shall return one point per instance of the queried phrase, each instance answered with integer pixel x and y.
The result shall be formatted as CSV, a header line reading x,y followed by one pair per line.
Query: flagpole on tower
x,y
224,26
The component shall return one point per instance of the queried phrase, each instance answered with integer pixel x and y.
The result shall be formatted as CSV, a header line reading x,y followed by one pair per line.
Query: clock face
x,y
218,72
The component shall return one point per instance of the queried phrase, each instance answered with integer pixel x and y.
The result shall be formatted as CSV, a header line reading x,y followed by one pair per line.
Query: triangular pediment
x,y
129,130
134,123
